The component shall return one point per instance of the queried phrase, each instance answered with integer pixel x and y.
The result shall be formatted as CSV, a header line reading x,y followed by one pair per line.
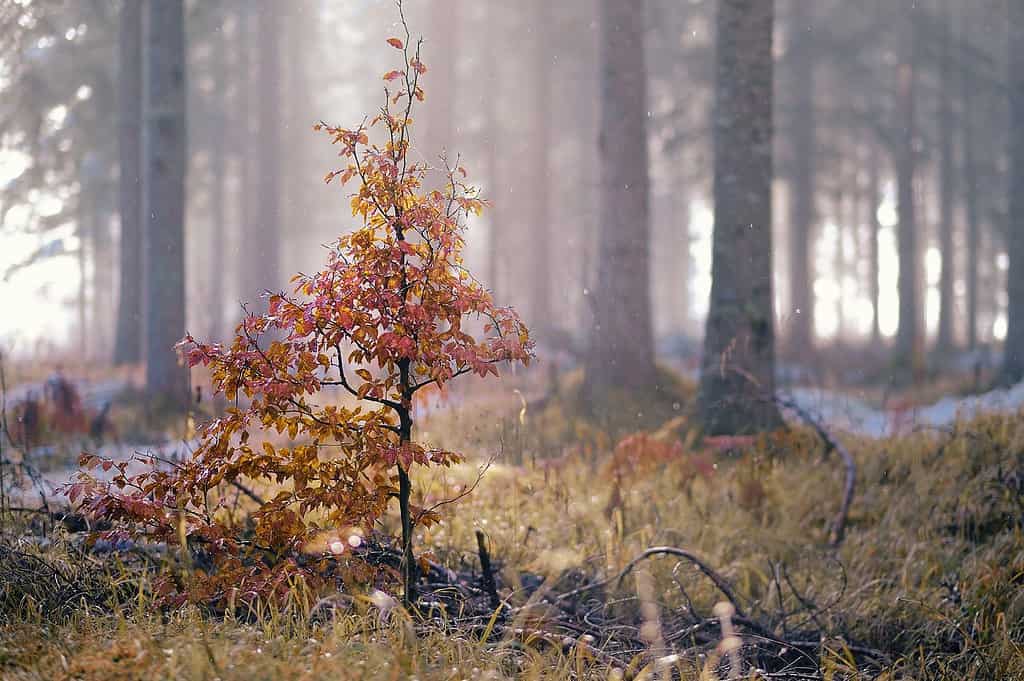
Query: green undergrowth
x,y
931,572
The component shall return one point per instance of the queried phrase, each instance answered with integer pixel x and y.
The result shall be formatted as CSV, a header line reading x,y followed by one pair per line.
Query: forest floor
x,y
927,583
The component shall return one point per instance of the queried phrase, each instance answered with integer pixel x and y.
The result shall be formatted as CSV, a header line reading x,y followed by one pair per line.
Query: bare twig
x,y
838,529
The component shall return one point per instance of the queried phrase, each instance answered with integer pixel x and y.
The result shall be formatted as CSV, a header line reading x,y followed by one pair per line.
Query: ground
x,y
927,583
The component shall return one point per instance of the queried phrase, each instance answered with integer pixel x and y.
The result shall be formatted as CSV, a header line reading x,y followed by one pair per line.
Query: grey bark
x,y
737,376
541,320
218,175
245,131
492,149
265,232
908,338
164,164
801,205
971,195
128,338
1013,362
874,198
621,353
945,340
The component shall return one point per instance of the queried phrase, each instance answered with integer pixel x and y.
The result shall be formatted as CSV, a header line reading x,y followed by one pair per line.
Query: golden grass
x,y
931,572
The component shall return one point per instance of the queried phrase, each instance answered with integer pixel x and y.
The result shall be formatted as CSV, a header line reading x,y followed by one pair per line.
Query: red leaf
x,y
395,43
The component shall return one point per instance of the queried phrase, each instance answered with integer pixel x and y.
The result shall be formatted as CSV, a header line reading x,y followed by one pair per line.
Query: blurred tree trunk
x,y
971,195
874,199
839,265
440,55
1013,362
621,354
494,21
945,339
908,338
164,163
738,373
128,340
264,272
802,187
245,142
541,320
218,176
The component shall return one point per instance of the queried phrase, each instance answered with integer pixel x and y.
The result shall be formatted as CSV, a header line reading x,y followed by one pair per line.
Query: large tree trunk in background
x,y
908,338
540,255
738,372
1013,362
128,340
218,176
971,197
164,164
621,354
945,340
802,186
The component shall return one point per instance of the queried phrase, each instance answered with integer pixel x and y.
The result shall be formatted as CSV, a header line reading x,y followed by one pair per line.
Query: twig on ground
x,y
838,529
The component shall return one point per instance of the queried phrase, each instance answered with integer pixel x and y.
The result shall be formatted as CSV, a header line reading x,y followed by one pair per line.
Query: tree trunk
x,y
218,175
802,188
1013,361
439,54
945,340
738,374
971,195
540,252
164,163
265,231
128,341
621,354
908,339
494,20
245,134
874,199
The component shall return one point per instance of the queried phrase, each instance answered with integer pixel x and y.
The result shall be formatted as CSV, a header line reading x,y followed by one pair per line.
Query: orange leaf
x,y
395,43
392,75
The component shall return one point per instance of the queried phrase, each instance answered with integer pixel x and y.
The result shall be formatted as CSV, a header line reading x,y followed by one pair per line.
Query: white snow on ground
x,y
848,413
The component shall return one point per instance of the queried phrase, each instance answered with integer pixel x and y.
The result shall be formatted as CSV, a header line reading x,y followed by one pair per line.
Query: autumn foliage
x,y
323,385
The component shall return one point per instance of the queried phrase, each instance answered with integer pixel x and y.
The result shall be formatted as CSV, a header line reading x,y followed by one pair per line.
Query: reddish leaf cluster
x,y
332,369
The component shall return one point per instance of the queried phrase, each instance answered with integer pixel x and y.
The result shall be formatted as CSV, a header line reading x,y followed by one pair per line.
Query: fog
x,y
870,99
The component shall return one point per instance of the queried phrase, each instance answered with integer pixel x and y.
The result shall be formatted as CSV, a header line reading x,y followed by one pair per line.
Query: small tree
x,y
391,313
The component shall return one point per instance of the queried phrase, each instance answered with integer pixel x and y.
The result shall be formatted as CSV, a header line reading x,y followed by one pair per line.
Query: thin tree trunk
x,y
874,199
265,273
737,386
802,187
908,340
128,340
492,147
218,175
971,194
838,202
1013,349
621,354
244,130
944,342
540,142
164,164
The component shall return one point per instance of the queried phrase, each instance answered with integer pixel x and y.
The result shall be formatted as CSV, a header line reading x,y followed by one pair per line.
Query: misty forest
x,y
546,339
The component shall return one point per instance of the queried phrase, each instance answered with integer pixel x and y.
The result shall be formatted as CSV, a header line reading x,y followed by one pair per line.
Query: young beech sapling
x,y
394,311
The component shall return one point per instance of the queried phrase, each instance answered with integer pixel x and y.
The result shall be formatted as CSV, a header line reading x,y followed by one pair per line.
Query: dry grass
x,y
931,572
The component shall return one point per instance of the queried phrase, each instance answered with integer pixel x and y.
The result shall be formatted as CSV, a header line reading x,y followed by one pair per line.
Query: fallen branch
x,y
715,578
838,529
